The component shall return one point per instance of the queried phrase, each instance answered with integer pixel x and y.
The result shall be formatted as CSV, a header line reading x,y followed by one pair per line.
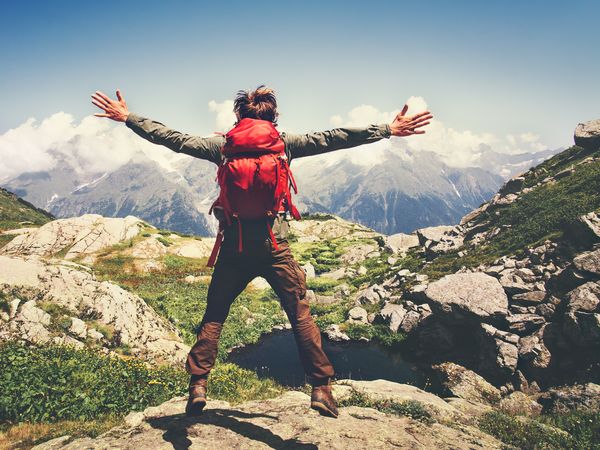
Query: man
x,y
235,267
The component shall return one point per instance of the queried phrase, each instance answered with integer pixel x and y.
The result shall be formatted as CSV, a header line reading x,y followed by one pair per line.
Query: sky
x,y
514,75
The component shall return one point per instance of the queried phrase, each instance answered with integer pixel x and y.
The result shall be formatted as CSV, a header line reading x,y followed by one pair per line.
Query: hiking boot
x,y
197,398
322,401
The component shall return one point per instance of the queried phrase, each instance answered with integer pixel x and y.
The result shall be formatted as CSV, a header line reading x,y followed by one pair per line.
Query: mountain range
x,y
399,191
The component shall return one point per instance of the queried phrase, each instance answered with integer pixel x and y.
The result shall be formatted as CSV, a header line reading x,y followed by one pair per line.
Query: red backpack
x,y
254,178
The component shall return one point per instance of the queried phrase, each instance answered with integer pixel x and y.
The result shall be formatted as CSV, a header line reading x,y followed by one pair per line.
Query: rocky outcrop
x,y
84,305
75,237
439,240
587,134
466,384
287,422
468,294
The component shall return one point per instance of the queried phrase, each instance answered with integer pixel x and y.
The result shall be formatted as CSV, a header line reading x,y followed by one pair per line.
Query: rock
x,y
524,323
533,352
512,186
284,422
358,315
259,283
403,273
498,351
512,283
335,274
582,317
568,398
370,296
584,298
470,294
469,217
362,270
357,253
392,315
13,307
334,333
388,390
191,279
518,403
401,242
588,262
529,298
147,249
78,327
309,270
466,384
95,334
587,134
132,321
82,235
391,260
196,248
311,296
589,225
433,234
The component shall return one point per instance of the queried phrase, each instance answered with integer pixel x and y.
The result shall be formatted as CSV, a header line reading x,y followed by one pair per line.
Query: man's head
x,y
257,104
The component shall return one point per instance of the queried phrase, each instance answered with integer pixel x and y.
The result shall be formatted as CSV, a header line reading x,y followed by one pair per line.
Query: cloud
x,y
93,145
459,148
225,117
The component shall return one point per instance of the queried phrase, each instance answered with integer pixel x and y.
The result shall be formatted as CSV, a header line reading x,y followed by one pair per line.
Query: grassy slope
x,y
543,213
16,212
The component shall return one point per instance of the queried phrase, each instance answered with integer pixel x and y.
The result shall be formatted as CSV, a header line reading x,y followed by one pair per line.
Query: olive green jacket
x,y
296,146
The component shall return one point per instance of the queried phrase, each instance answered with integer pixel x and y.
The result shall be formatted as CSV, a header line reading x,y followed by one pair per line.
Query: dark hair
x,y
258,104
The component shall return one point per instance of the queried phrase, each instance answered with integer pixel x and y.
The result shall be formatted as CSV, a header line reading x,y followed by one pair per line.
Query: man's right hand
x,y
113,109
404,125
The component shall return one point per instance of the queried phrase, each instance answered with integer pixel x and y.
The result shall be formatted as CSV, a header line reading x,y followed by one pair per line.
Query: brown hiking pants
x,y
232,273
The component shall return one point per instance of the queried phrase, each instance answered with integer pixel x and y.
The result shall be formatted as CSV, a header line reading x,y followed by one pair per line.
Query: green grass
x,y
410,408
252,314
56,390
377,333
576,430
17,213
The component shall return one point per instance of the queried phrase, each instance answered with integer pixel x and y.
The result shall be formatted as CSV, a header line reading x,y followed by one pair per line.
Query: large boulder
x,y
567,398
468,294
77,236
588,262
284,422
498,352
582,317
401,242
388,390
466,384
587,134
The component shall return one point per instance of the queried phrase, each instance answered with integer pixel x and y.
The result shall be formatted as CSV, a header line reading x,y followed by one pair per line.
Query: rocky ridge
x,y
50,298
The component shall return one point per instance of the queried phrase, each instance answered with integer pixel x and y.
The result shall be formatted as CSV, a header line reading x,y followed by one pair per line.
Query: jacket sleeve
x,y
300,145
208,148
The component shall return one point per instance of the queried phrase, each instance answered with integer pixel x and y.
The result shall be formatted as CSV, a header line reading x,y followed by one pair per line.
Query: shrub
x,y
63,383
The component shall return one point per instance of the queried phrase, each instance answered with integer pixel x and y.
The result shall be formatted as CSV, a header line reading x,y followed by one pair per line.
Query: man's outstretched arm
x,y
300,145
156,132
